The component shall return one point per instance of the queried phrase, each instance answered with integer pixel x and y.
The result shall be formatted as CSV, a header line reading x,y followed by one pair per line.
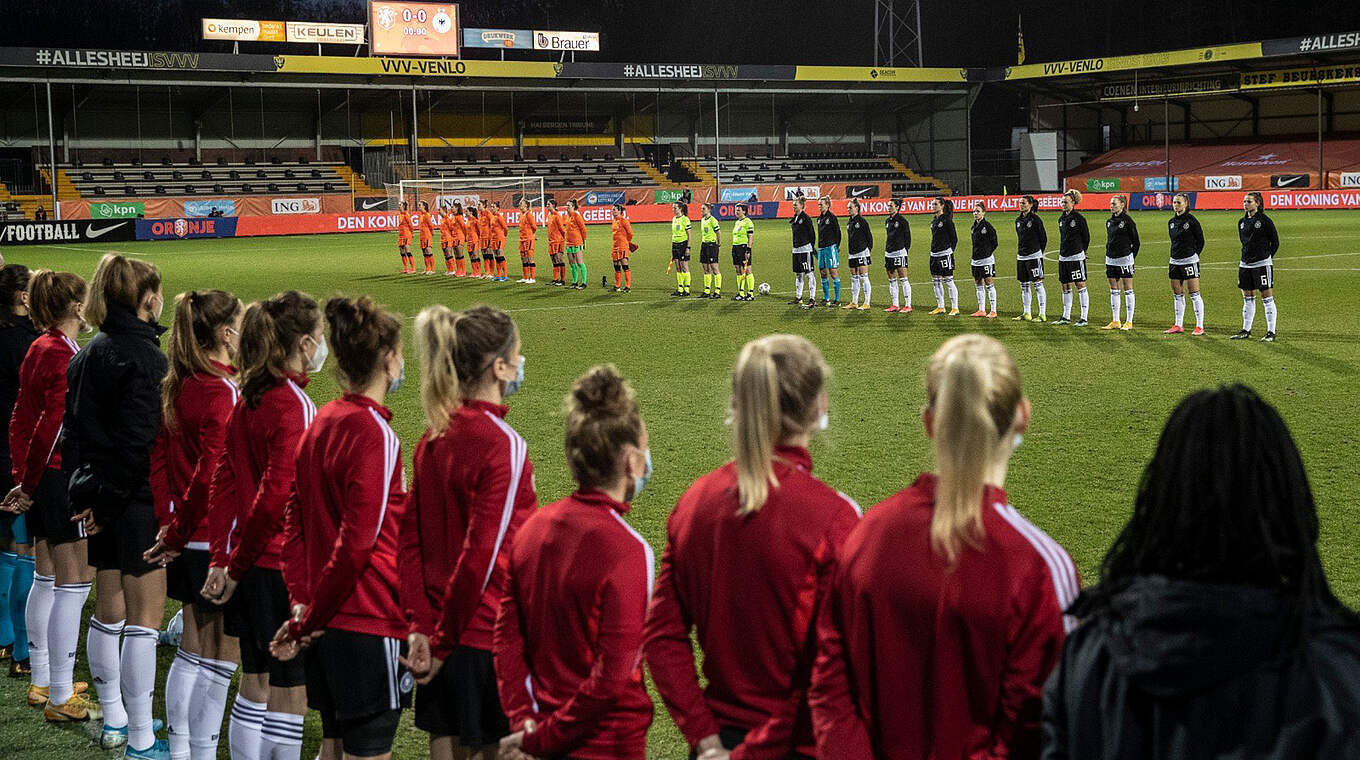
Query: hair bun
x,y
601,391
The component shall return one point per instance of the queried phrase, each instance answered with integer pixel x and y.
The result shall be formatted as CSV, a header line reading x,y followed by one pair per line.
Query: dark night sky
x,y
957,33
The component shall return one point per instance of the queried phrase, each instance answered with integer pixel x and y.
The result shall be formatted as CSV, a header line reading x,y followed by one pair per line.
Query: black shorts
x,y
184,579
1118,273
741,255
254,614
983,271
1031,270
894,263
1070,272
861,261
463,700
356,683
120,544
680,251
802,263
52,509
1256,278
1183,271
708,253
942,266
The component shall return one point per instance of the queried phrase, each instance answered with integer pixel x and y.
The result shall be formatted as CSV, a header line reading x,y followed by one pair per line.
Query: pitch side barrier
x,y
317,224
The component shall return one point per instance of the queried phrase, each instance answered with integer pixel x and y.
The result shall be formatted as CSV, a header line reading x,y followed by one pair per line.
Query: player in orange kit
x,y
527,229
450,236
574,226
404,227
621,246
499,230
426,236
555,243
473,242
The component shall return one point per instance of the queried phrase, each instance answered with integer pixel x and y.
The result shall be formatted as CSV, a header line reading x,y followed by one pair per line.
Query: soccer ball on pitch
x,y
764,288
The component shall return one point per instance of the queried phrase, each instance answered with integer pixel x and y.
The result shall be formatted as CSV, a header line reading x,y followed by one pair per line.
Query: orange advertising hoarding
x,y
402,28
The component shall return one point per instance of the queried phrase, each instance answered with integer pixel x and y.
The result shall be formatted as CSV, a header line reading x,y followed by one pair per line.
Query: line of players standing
x,y
1256,231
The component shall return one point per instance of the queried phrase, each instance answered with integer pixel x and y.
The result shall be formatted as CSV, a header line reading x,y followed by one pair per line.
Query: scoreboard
x,y
406,28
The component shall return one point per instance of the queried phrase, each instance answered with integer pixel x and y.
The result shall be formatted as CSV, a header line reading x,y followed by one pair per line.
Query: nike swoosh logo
x,y
92,233
366,205
1290,181
861,191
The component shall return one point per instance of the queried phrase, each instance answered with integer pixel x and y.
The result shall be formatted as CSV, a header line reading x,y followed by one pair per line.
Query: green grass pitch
x,y
1099,398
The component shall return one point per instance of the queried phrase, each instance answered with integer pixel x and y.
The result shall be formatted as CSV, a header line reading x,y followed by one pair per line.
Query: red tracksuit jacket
x,y
568,640
35,426
920,660
341,524
251,486
472,488
750,587
184,459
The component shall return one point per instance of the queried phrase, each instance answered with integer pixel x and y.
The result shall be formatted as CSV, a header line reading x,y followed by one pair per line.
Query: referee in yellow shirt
x,y
743,236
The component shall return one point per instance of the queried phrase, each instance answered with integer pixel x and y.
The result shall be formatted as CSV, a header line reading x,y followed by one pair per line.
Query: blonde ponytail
x,y
198,315
973,390
775,386
436,342
456,350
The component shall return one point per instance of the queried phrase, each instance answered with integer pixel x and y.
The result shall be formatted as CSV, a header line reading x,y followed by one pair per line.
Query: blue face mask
x,y
512,386
640,481
395,384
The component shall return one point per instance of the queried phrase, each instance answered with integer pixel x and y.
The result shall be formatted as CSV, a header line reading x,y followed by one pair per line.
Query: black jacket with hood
x,y
1179,669
113,414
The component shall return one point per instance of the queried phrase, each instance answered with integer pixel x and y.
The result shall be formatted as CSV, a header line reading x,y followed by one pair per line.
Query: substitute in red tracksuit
x,y
340,544
281,341
736,524
945,615
473,488
197,398
569,636
62,575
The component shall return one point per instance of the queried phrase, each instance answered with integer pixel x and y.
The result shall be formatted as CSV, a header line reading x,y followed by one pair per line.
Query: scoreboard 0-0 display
x,y
404,28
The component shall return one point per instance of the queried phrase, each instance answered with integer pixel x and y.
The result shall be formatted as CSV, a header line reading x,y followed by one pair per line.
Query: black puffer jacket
x,y
1176,669
17,333
113,413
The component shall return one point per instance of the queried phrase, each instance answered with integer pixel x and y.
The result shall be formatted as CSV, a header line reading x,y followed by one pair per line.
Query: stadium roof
x,y
1318,60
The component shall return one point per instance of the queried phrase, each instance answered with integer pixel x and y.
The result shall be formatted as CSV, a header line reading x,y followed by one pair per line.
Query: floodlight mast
x,y
897,33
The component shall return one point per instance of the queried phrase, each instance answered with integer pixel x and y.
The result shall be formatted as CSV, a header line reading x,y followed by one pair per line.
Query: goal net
x,y
442,192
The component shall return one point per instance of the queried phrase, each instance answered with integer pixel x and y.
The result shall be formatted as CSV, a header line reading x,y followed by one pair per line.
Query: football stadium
x,y
284,483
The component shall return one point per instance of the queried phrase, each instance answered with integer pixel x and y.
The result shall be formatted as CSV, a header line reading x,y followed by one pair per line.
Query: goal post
x,y
443,192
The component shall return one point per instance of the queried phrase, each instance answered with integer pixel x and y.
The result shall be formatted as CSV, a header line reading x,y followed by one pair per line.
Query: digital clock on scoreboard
x,y
401,28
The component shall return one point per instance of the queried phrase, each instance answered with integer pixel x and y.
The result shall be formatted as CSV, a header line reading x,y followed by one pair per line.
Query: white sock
x,y
36,614
982,297
63,636
991,293
138,675
243,734
1128,306
1043,297
207,704
281,736
937,285
906,292
1197,301
866,287
1114,305
1269,303
798,287
892,291
1067,304
953,294
1025,295
1084,299
812,285
179,689
1178,309
101,649
854,288
1248,316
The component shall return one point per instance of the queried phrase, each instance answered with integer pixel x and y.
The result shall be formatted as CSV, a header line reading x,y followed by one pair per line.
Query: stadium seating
x,y
126,179
578,171
817,168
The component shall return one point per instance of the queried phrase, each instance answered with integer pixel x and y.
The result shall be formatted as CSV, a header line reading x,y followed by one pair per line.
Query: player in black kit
x,y
1029,258
943,240
804,238
898,241
1073,239
1187,242
984,260
1256,271
1121,248
860,248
